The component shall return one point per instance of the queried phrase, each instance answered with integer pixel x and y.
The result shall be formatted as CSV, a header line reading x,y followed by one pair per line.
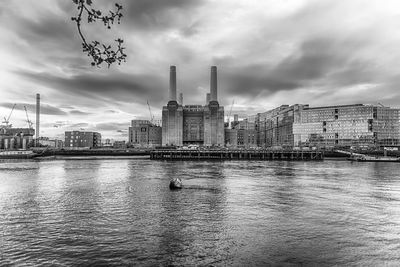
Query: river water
x,y
241,213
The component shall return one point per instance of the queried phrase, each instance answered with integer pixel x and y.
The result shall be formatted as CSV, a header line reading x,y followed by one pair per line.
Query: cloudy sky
x,y
268,53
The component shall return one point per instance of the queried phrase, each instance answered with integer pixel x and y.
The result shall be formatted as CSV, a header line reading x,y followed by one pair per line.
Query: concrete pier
x,y
236,155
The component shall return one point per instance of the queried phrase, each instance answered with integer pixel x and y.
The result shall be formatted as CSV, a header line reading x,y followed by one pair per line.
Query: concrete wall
x,y
214,134
172,124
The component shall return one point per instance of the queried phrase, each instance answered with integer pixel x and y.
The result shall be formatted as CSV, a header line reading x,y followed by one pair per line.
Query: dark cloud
x,y
78,112
47,29
252,80
108,87
314,59
158,15
320,60
191,29
355,72
44,108
50,28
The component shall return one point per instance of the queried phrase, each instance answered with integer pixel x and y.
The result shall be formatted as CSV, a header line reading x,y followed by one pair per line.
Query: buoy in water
x,y
175,183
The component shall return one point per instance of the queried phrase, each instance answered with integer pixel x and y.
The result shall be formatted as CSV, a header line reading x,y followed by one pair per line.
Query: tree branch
x,y
99,53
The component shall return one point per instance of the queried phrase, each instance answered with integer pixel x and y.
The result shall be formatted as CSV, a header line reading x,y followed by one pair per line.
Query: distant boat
x,y
175,183
365,158
17,154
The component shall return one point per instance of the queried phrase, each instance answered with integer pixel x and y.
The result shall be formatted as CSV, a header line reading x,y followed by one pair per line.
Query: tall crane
x,y
151,114
7,120
30,123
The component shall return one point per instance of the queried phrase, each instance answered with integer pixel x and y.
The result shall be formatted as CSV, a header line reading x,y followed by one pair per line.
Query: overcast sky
x,y
268,53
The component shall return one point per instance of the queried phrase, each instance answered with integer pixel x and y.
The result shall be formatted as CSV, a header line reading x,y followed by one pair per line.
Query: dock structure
x,y
236,155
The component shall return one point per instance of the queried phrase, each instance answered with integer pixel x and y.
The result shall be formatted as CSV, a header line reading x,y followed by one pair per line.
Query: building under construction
x,y
15,138
193,124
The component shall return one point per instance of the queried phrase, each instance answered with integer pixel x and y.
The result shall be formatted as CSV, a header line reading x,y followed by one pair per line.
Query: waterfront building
x,y
275,127
53,143
108,143
82,139
16,138
143,133
355,125
231,138
193,124
119,144
242,135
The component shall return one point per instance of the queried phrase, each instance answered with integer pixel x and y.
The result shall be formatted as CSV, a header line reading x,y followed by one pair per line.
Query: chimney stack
x,y
213,84
172,83
181,99
37,118
208,97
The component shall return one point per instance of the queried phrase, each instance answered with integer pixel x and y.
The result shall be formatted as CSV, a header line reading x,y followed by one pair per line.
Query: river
x,y
243,213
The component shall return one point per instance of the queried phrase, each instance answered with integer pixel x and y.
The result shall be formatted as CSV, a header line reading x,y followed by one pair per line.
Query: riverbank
x,y
84,153
88,157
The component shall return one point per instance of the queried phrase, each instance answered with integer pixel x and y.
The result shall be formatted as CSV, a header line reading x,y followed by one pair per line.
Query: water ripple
x,y
113,213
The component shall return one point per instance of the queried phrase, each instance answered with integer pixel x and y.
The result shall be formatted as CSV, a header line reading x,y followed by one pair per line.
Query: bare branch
x,y
100,53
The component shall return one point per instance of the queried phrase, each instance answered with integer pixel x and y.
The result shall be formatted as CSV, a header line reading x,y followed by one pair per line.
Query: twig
x,y
99,53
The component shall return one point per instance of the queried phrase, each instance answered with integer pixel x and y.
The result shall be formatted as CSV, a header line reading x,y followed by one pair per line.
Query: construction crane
x,y
30,123
7,120
230,112
151,114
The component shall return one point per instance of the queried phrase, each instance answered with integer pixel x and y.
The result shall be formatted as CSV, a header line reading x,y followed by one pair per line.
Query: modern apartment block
x,y
347,125
193,124
330,126
143,133
82,139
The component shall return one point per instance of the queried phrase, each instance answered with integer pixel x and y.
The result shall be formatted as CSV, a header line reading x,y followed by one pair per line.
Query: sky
x,y
268,53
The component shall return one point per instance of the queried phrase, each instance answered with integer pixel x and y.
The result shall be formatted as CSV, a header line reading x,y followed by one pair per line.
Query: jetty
x,y
181,154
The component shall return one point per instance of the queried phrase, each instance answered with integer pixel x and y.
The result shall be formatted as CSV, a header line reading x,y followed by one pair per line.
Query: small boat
x,y
175,183
365,158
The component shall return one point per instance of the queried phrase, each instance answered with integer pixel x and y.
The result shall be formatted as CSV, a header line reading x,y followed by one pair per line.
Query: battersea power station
x,y
193,124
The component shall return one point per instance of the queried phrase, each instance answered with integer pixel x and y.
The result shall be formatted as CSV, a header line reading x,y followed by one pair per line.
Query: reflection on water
x,y
109,212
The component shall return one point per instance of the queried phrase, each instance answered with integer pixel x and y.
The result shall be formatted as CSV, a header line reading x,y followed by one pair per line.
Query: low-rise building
x,y
119,144
242,135
275,127
82,139
231,138
53,143
143,133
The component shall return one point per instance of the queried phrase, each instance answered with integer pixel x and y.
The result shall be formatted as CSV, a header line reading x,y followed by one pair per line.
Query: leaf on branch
x,y
93,48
